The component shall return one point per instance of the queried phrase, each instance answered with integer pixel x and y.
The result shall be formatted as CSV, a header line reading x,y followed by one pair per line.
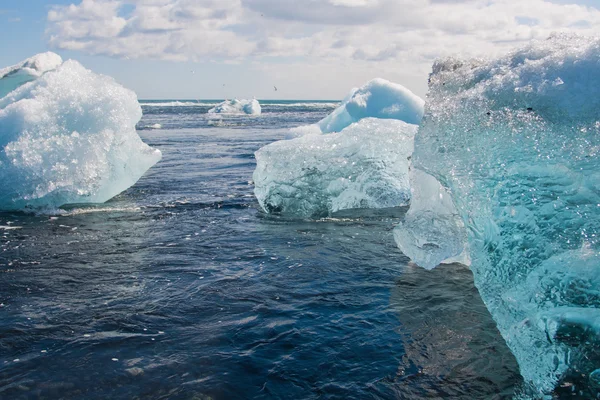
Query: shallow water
x,y
181,288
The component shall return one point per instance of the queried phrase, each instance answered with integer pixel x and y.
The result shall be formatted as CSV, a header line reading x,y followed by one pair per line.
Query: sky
x,y
308,49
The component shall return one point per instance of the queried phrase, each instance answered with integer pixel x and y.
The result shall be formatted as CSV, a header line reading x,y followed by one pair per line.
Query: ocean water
x,y
181,288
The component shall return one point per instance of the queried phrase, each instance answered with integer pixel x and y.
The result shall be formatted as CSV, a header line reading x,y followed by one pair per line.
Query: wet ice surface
x,y
181,288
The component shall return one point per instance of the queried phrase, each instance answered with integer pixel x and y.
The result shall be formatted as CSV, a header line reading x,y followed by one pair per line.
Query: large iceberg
x,y
235,106
363,166
378,98
516,143
67,135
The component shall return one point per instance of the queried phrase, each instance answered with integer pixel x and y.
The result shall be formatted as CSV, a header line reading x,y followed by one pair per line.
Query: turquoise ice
x,y
515,141
378,98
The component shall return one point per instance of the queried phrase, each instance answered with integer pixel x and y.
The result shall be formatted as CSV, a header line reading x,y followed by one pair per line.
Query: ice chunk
x,y
378,98
516,141
26,71
69,137
236,106
432,231
364,166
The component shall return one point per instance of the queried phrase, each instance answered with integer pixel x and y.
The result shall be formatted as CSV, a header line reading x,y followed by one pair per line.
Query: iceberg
x,y
515,142
355,158
67,135
235,106
363,166
378,98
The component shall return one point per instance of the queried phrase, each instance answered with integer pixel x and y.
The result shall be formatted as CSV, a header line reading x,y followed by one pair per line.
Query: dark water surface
x,y
180,288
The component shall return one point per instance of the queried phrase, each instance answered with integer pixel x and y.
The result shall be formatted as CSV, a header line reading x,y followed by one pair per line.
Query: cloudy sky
x,y
309,49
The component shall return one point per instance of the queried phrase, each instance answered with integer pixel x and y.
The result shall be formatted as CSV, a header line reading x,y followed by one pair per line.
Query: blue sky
x,y
315,49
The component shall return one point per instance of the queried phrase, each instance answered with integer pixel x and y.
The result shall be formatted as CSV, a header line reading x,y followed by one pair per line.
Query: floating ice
x,y
364,166
516,141
68,137
26,71
236,106
378,98
432,231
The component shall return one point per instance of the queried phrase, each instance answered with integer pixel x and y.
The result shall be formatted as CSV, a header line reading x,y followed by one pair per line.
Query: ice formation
x,y
432,231
26,71
378,98
363,166
67,136
361,163
235,106
516,141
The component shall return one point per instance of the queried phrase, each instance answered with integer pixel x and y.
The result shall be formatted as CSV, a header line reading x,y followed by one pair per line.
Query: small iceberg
x,y
151,127
237,107
378,98
363,166
67,135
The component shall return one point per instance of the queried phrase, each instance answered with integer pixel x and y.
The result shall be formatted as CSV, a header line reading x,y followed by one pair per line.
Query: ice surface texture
x,y
362,162
378,99
364,166
516,142
432,232
235,106
67,137
26,71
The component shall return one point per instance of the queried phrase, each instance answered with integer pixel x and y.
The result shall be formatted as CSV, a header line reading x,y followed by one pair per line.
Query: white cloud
x,y
406,34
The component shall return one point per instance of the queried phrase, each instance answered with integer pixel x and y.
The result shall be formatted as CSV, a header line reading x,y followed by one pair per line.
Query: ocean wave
x,y
178,104
265,104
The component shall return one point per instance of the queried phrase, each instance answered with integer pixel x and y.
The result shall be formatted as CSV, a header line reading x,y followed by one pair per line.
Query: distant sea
x,y
181,288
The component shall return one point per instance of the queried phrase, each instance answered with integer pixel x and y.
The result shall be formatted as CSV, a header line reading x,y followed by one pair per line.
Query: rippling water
x,y
180,288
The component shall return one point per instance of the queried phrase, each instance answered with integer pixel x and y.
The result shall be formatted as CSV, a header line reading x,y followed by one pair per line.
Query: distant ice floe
x,y
364,165
67,135
235,106
150,127
515,141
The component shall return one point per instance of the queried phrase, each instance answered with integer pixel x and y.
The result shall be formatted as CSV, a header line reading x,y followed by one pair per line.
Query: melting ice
x,y
67,135
515,141
378,98
364,165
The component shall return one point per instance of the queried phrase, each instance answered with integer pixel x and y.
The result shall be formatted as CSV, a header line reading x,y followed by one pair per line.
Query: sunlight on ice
x,y
67,135
378,98
355,158
515,141
235,106
364,166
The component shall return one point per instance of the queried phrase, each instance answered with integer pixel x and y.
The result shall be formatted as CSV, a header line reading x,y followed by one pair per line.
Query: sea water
x,y
182,288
